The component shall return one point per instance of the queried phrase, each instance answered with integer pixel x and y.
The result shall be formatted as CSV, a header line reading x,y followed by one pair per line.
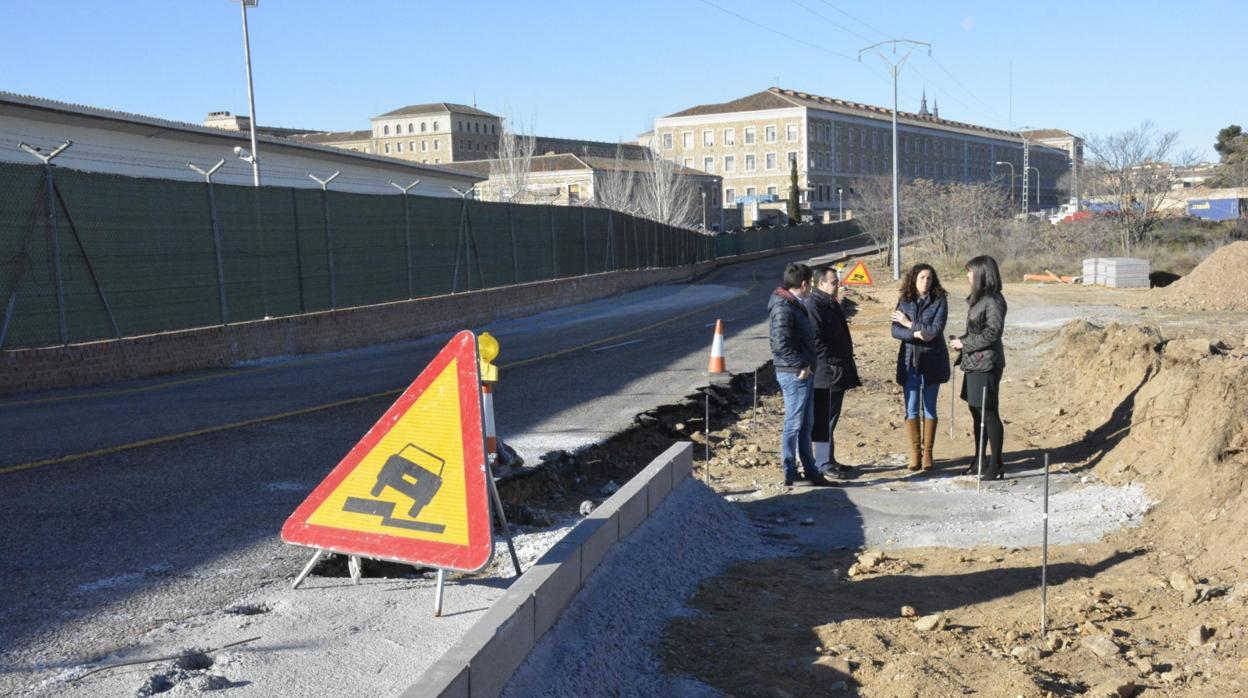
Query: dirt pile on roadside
x,y
1173,415
1218,283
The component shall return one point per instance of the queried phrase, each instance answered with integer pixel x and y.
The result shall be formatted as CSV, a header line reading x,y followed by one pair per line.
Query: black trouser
x,y
995,432
828,403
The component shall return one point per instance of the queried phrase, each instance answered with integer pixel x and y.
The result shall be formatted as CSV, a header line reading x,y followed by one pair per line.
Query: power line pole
x,y
895,68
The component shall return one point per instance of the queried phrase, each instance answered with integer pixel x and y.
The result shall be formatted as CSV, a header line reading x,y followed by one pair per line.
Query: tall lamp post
x,y
251,97
1011,166
840,203
894,69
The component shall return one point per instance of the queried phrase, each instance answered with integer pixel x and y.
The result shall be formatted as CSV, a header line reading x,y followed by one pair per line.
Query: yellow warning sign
x,y
411,484
414,488
857,276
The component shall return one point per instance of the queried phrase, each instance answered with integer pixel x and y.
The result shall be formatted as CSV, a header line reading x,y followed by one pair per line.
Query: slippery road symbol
x,y
410,472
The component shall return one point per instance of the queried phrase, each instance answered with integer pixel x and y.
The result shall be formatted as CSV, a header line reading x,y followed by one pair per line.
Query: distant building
x,y
134,145
442,132
571,180
750,142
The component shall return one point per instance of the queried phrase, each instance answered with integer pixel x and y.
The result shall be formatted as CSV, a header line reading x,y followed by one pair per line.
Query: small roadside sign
x,y
414,488
857,276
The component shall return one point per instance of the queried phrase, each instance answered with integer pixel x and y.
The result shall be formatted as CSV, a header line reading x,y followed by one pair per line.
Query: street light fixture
x,y
895,68
254,156
840,203
1011,165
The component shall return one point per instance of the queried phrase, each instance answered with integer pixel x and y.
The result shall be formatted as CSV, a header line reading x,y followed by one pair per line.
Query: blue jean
x,y
799,420
914,385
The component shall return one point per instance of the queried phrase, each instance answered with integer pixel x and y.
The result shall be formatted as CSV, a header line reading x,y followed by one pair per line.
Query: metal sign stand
x,y
1044,562
979,482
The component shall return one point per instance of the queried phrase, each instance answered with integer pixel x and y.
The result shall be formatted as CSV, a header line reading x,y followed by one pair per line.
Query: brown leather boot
x,y
929,441
916,444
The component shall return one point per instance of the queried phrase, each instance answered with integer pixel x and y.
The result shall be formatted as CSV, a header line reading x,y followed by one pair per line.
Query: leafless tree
x,y
953,219
1135,172
873,211
510,171
616,188
666,194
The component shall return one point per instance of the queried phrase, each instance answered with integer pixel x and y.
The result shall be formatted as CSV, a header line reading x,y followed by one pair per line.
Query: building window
x,y
436,141
792,159
750,163
769,161
398,147
686,140
730,163
730,136
435,126
574,193
708,138
385,130
769,133
708,165
749,135
771,190
791,133
730,196
424,146
386,146
423,126
688,163
667,141
437,161
750,191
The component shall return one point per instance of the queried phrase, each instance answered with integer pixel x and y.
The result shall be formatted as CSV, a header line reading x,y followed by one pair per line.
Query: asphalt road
x,y
131,504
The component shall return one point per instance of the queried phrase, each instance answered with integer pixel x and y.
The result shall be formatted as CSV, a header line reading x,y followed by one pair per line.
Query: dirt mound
x,y
1173,415
1218,283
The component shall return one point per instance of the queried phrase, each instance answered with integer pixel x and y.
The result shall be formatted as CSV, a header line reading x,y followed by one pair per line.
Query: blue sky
x,y
605,70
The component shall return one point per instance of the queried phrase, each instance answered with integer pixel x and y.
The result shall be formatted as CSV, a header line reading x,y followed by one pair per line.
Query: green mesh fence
x,y
124,256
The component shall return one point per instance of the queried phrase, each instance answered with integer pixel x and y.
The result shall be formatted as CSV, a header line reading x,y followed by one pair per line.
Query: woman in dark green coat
x,y
983,360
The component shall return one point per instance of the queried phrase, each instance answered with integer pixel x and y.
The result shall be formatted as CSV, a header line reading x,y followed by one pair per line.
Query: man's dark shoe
x,y
816,479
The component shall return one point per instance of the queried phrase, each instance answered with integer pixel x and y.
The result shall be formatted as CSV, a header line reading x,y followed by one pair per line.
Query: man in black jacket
x,y
794,357
835,371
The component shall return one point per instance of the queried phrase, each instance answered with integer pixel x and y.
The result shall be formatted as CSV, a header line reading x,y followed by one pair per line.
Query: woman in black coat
x,y
922,358
835,371
983,359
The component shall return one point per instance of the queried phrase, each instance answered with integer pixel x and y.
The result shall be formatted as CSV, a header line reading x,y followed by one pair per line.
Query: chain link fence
x,y
87,256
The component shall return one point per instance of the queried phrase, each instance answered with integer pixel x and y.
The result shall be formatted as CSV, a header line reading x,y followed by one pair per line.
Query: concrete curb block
x,y
483,660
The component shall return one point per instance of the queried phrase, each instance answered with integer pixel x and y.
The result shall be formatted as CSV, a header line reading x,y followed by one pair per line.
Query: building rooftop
x,y
564,162
153,126
332,136
436,108
781,98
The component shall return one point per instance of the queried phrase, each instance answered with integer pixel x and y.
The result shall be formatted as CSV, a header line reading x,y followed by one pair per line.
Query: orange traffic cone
x,y
716,364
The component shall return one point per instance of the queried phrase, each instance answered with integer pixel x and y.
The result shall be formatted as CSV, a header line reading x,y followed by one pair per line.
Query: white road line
x,y
612,346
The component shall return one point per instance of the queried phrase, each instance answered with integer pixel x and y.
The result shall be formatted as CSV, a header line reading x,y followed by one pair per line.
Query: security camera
x,y
238,150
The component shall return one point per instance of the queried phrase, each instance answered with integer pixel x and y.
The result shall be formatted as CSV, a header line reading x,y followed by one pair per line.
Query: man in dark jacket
x,y
835,371
794,357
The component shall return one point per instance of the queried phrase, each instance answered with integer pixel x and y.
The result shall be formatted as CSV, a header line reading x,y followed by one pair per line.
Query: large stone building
x,y
750,142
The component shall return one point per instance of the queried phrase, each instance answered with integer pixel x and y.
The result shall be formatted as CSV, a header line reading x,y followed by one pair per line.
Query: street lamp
x,y
1002,162
1037,171
251,97
840,203
704,210
895,68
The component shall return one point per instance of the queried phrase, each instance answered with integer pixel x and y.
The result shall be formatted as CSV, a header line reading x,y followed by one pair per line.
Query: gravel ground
x,y
608,635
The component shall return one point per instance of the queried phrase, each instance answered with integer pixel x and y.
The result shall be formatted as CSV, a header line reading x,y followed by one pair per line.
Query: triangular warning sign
x,y
857,276
414,488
